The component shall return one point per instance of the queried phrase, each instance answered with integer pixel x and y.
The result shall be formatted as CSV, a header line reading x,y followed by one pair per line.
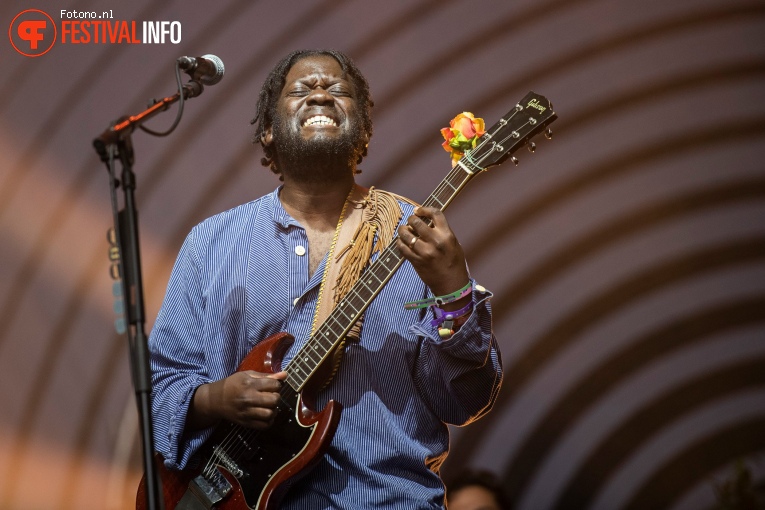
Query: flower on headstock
x,y
462,135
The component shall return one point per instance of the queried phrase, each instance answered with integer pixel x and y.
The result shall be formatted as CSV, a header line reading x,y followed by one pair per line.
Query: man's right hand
x,y
247,398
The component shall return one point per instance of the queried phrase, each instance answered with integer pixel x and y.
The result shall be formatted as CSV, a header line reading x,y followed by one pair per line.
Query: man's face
x,y
317,130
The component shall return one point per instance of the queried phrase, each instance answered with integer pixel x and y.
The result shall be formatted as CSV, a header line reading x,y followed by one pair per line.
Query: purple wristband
x,y
443,316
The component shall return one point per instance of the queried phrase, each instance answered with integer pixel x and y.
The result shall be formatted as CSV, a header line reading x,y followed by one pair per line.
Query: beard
x,y
320,159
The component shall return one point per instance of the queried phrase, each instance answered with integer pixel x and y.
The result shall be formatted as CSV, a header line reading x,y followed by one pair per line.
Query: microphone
x,y
207,69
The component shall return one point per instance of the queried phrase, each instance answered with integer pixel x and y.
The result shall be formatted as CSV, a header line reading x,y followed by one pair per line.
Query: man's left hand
x,y
432,248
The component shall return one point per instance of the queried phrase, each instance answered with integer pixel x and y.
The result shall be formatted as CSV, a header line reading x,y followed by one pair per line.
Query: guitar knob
x,y
514,160
548,134
532,147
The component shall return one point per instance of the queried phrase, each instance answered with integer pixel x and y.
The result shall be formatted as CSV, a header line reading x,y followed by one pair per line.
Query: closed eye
x,y
339,91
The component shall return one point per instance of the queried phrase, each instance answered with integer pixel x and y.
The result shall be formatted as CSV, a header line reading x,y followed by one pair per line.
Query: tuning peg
x,y
548,134
532,147
514,160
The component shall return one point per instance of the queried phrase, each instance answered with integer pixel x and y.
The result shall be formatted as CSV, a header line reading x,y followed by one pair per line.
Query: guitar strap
x,y
370,222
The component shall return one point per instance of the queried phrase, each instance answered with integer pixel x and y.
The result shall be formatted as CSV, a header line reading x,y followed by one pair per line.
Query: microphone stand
x,y
116,142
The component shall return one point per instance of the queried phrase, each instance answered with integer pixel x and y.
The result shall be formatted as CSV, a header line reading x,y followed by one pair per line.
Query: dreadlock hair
x,y
272,89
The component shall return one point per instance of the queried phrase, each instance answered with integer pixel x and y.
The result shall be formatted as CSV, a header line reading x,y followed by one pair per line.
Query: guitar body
x,y
244,469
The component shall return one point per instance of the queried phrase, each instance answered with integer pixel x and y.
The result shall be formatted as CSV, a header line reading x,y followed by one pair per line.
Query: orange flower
x,y
462,135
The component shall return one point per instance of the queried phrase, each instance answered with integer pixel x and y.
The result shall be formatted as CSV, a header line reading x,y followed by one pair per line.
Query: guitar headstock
x,y
528,118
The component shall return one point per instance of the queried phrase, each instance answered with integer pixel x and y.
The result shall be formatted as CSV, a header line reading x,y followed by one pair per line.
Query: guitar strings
x,y
233,448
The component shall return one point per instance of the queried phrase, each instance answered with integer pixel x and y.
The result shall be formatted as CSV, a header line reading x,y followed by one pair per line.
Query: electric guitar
x,y
242,468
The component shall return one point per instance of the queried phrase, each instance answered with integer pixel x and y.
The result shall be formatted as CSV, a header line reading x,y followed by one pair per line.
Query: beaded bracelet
x,y
441,300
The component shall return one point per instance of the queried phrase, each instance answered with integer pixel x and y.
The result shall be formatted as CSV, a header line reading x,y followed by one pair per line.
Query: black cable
x,y
180,107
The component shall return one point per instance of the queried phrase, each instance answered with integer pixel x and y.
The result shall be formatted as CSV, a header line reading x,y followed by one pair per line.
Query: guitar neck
x,y
316,350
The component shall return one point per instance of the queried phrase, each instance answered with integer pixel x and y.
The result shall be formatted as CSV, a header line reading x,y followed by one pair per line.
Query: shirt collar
x,y
280,216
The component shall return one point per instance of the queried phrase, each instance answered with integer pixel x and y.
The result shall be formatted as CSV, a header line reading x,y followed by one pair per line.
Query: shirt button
x,y
295,302
300,250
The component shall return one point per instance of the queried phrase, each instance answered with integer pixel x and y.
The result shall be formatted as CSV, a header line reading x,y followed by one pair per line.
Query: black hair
x,y
272,89
485,479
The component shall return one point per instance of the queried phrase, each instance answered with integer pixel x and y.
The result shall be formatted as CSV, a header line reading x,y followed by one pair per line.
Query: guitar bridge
x,y
227,462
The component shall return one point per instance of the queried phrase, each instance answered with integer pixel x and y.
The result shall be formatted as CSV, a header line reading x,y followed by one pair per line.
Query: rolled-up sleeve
x,y
178,360
459,378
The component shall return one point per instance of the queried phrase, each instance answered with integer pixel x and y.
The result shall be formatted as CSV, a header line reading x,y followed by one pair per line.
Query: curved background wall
x,y
627,256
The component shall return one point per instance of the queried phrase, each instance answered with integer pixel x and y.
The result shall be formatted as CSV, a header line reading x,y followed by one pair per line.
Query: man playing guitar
x,y
282,263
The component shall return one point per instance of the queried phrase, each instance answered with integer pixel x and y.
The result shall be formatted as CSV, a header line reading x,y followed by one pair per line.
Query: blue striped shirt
x,y
242,276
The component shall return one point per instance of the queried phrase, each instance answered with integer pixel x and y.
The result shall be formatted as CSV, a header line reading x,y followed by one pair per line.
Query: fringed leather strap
x,y
372,213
